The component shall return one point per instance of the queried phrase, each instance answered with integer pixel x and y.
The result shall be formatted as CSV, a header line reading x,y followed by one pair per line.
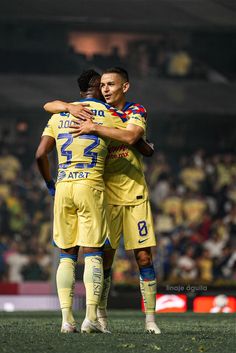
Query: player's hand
x,y
145,147
80,111
83,128
51,187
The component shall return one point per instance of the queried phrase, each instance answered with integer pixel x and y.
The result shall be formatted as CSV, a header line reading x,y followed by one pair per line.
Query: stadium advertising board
x,y
170,303
214,304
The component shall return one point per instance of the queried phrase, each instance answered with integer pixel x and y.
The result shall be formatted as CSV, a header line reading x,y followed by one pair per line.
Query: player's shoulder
x,y
135,108
55,117
133,105
93,102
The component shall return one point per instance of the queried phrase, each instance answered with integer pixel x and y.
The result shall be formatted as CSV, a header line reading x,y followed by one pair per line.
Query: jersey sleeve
x,y
48,130
137,115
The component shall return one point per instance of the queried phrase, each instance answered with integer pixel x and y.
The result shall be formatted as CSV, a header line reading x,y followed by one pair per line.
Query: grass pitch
x,y
33,332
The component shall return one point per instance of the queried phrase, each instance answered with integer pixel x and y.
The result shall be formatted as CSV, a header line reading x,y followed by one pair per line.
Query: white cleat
x,y
68,328
102,318
151,327
103,322
89,326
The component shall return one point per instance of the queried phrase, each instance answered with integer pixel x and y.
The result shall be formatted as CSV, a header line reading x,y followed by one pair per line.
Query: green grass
x,y
26,332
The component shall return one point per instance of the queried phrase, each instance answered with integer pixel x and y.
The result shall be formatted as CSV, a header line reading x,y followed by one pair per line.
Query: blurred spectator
x,y
9,165
205,266
179,64
16,259
186,268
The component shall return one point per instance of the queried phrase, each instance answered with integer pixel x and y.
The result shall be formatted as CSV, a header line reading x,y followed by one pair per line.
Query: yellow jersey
x,y
82,158
124,176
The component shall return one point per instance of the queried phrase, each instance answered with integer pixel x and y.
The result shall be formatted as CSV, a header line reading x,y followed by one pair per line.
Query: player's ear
x,y
125,87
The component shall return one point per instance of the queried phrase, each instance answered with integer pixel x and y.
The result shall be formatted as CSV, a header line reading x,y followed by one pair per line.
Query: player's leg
x,y
65,279
93,280
114,216
148,287
65,237
92,230
139,235
108,257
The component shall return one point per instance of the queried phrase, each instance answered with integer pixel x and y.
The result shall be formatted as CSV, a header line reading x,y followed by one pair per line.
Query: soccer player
x,y
127,195
79,207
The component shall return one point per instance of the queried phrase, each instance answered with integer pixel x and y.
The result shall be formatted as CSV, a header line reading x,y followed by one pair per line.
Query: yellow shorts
x,y
79,216
136,224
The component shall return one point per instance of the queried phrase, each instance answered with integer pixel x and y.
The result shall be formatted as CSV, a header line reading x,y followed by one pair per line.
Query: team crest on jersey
x,y
61,175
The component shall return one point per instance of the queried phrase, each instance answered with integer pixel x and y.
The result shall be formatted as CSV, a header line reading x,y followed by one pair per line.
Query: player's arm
x,y
130,135
145,147
78,110
46,145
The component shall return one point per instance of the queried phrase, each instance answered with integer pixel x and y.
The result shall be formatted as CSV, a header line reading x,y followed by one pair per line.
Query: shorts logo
x,y
142,240
151,284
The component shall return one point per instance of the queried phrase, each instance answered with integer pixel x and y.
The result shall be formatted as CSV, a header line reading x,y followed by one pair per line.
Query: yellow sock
x,y
93,281
148,290
65,279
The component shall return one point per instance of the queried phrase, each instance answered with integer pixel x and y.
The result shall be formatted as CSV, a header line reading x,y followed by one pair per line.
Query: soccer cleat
x,y
151,327
89,326
68,328
103,322
102,318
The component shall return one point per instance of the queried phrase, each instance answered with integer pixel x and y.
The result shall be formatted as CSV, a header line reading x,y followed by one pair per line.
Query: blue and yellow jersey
x,y
124,176
82,158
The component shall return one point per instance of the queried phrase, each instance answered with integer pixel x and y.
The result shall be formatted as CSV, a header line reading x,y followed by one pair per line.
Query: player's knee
x,y
108,258
69,252
144,262
144,259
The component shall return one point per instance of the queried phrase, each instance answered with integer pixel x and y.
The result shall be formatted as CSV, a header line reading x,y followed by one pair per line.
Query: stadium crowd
x,y
166,55
194,208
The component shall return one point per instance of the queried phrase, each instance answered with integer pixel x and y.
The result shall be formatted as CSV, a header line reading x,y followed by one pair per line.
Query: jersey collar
x,y
127,105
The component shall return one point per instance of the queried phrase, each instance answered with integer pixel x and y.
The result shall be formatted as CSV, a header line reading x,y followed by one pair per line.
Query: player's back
x,y
124,176
80,158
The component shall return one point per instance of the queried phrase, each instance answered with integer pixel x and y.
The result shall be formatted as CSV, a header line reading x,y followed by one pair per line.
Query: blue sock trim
x,y
96,253
68,256
107,273
147,273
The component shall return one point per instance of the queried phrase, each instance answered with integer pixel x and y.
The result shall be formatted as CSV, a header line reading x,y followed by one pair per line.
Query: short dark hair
x,y
118,70
84,80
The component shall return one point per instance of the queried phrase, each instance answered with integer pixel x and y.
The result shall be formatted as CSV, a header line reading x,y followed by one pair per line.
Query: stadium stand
x,y
194,204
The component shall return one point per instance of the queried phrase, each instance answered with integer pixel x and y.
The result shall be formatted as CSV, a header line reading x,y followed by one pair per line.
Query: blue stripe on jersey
x,y
107,242
96,253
